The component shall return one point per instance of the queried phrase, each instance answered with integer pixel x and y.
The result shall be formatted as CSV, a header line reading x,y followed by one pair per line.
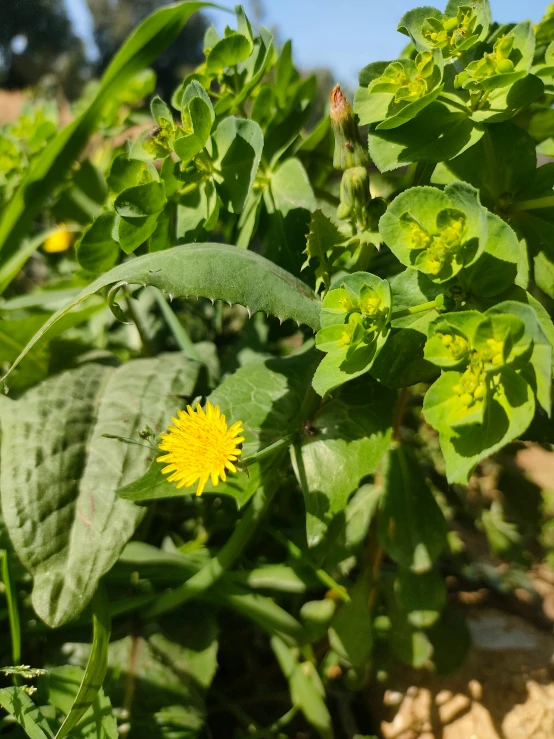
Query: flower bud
x,y
354,193
349,150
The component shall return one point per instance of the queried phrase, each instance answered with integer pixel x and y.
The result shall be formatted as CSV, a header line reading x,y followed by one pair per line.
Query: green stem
x,y
268,450
13,611
176,327
431,305
141,328
191,187
545,202
210,574
296,553
423,173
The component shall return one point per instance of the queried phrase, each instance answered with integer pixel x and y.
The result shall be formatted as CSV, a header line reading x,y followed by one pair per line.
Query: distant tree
x,y
37,38
115,19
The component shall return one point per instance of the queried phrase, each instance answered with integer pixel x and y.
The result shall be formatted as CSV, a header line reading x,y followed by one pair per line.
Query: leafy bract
x,y
436,232
355,319
58,492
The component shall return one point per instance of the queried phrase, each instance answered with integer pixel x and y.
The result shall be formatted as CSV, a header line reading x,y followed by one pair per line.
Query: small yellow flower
x,y
200,447
59,241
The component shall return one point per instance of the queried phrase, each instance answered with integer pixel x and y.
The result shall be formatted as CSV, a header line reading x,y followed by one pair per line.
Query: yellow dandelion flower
x,y
200,447
59,241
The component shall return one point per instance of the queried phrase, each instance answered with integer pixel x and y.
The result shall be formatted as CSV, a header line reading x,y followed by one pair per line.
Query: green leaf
x,y
411,526
228,52
422,595
198,116
439,133
400,362
58,497
507,414
142,47
354,328
323,236
19,705
211,271
539,375
126,172
347,438
141,201
97,250
291,188
351,630
88,693
451,640
498,267
238,150
306,690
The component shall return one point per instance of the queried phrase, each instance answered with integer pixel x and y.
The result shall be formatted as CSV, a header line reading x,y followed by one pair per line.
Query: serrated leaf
x,y
211,271
58,496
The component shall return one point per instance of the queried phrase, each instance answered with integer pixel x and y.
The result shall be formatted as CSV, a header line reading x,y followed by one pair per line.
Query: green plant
x,y
407,339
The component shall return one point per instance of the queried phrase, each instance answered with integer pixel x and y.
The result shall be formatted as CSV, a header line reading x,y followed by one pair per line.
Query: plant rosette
x,y
436,232
355,323
485,396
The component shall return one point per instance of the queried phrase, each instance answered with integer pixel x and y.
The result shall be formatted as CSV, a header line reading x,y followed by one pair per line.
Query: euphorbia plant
x,y
410,285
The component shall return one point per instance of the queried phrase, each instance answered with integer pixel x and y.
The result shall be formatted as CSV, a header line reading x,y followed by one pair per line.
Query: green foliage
x,y
402,341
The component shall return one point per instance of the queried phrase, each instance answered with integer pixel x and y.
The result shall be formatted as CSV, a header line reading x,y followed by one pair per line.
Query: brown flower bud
x,y
349,150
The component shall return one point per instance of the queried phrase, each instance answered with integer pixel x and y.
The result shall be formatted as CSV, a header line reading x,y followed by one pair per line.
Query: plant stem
x,y
208,575
431,305
177,329
191,187
141,328
296,553
271,449
453,103
423,173
13,611
545,202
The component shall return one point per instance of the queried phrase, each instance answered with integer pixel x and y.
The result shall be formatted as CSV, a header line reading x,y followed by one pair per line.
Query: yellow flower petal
x,y
200,447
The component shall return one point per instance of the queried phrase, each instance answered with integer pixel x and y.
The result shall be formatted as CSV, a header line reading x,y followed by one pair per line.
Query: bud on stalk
x,y
354,195
349,150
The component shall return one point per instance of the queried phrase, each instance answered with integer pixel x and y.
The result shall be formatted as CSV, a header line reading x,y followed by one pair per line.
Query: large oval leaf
x,y
60,473
215,271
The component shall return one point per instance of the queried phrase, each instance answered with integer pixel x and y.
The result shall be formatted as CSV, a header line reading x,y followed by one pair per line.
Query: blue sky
x,y
343,35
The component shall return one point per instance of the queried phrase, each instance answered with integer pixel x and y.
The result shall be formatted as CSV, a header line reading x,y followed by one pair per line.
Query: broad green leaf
x,y
437,232
439,133
412,528
422,595
507,414
161,111
88,693
58,497
345,442
503,260
142,47
19,705
126,172
141,201
211,271
228,52
198,116
133,232
306,690
291,188
400,362
97,250
351,630
238,149
62,688
540,372
355,324
507,102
